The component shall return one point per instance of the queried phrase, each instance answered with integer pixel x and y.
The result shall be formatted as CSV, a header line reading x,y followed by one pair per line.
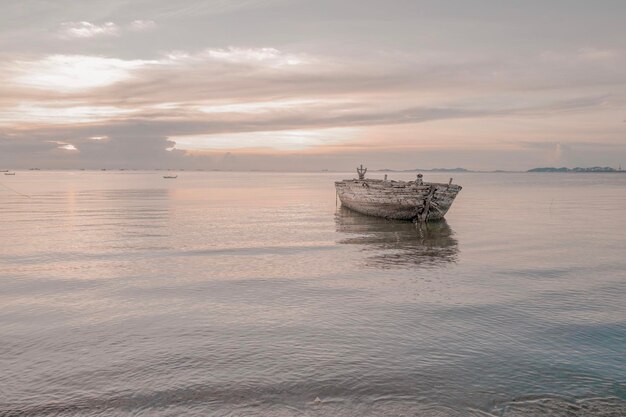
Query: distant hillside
x,y
577,169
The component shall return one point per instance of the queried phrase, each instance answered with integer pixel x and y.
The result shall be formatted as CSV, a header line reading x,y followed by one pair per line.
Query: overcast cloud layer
x,y
309,85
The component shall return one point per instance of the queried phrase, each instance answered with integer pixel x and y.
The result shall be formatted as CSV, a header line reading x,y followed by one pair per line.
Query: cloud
x,y
268,56
68,73
282,140
39,114
86,30
83,29
596,54
64,145
236,98
142,25
75,151
276,126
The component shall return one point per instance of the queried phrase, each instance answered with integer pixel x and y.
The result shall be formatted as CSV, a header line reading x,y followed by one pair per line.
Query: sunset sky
x,y
310,85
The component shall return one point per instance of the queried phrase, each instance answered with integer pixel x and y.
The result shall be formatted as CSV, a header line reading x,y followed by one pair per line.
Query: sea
x,y
123,293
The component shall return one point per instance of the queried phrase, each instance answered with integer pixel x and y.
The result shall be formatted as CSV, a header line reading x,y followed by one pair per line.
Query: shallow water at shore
x,y
123,293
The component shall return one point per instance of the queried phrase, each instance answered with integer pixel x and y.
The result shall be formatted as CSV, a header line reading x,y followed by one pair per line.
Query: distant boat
x,y
170,177
4,170
9,173
401,200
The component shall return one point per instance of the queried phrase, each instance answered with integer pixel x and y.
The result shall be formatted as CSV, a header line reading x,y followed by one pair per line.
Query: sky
x,y
308,85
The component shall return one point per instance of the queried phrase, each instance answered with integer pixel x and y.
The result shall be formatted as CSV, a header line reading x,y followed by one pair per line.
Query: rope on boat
x,y
424,214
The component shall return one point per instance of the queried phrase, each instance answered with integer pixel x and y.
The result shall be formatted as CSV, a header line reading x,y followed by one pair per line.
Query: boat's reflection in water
x,y
397,244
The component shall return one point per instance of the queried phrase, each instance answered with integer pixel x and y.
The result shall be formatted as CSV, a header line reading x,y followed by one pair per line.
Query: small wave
x,y
562,407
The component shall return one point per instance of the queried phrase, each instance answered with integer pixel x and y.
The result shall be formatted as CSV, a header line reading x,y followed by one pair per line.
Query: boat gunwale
x,y
402,183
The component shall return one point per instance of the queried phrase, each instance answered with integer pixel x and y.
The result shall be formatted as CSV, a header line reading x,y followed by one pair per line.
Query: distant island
x,y
577,169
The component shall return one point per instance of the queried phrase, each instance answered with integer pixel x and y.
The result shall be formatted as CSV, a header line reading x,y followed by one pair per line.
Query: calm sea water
x,y
123,293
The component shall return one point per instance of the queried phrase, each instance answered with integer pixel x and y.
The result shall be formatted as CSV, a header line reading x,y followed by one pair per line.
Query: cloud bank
x,y
290,88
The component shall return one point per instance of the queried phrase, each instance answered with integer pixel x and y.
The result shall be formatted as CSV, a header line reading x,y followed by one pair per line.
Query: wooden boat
x,y
170,177
9,173
402,200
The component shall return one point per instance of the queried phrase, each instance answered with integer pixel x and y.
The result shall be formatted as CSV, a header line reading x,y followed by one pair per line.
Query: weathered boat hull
x,y
397,199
